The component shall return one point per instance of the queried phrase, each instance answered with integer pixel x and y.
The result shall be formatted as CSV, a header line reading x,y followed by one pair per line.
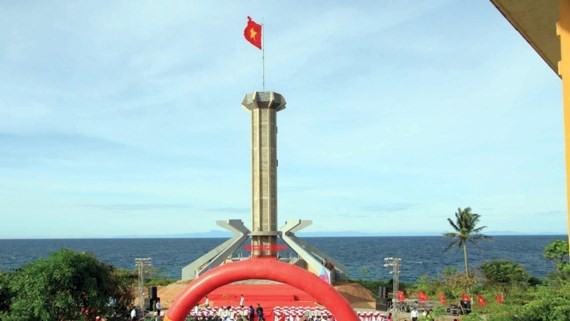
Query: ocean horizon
x,y
362,255
226,234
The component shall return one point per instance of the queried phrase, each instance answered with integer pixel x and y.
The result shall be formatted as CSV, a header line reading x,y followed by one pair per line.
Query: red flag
x,y
423,296
441,298
401,296
465,297
499,298
252,33
481,300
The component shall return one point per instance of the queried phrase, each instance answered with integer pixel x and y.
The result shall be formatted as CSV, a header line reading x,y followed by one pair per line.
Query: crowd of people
x,y
228,313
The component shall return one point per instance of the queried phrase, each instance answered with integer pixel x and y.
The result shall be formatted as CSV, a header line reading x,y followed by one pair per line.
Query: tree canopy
x,y
67,286
503,273
556,250
5,295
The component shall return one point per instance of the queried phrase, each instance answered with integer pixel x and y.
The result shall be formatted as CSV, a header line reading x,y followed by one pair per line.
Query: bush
x,y
68,286
504,273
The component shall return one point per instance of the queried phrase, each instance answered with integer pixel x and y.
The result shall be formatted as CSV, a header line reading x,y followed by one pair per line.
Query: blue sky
x,y
124,118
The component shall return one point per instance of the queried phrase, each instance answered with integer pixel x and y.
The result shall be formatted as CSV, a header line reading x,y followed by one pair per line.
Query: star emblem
x,y
252,33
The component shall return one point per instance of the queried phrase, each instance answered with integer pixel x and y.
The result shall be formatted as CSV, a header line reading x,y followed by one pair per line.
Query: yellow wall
x,y
563,31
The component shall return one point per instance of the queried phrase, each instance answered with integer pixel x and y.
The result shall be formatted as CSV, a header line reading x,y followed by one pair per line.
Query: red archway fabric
x,y
266,269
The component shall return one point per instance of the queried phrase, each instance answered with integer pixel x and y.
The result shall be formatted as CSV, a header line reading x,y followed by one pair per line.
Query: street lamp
x,y
395,263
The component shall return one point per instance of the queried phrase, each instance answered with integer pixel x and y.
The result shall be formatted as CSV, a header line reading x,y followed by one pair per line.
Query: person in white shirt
x,y
158,307
414,314
241,301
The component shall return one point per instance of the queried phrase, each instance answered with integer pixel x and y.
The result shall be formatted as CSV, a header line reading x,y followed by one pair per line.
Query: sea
x,y
363,256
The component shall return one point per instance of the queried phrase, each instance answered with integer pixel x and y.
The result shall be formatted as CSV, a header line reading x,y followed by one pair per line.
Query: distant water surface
x,y
363,256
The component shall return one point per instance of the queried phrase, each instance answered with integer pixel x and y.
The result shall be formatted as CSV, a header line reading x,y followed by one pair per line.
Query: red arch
x,y
266,269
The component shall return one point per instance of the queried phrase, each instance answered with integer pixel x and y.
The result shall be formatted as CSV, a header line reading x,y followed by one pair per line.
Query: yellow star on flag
x,y
252,34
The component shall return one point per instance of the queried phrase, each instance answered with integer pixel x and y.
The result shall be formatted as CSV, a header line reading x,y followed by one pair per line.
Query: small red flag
x,y
441,298
465,297
481,300
499,298
401,296
252,33
423,296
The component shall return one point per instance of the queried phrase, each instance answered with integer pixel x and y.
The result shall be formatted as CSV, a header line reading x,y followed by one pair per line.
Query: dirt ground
x,y
358,296
169,292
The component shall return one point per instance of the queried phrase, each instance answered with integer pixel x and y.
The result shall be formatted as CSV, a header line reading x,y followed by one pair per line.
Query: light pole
x,y
395,263
141,263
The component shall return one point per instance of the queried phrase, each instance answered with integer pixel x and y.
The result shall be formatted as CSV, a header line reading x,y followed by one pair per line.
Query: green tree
x,y
5,294
68,286
504,273
465,230
557,251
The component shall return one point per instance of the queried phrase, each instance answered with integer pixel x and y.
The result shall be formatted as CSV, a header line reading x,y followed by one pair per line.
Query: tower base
x,y
308,257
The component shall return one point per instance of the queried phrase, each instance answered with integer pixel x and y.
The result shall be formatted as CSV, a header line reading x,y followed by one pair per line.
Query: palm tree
x,y
465,230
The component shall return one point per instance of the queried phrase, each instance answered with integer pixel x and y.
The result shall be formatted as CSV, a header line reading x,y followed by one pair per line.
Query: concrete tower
x,y
263,107
264,234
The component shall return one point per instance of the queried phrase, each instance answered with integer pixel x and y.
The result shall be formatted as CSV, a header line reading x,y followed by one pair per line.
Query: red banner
x,y
481,300
401,296
266,247
441,298
499,298
423,296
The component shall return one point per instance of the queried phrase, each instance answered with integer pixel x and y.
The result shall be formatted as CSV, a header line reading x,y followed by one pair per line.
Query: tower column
x,y
263,107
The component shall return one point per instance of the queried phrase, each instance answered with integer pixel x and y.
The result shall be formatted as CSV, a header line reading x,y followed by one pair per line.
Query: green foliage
x,y
449,270
426,284
5,295
556,250
472,317
546,303
465,230
160,281
529,304
452,283
68,286
564,270
504,274
534,281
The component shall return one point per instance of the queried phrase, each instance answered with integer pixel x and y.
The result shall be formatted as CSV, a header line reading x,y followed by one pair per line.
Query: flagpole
x,y
262,56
